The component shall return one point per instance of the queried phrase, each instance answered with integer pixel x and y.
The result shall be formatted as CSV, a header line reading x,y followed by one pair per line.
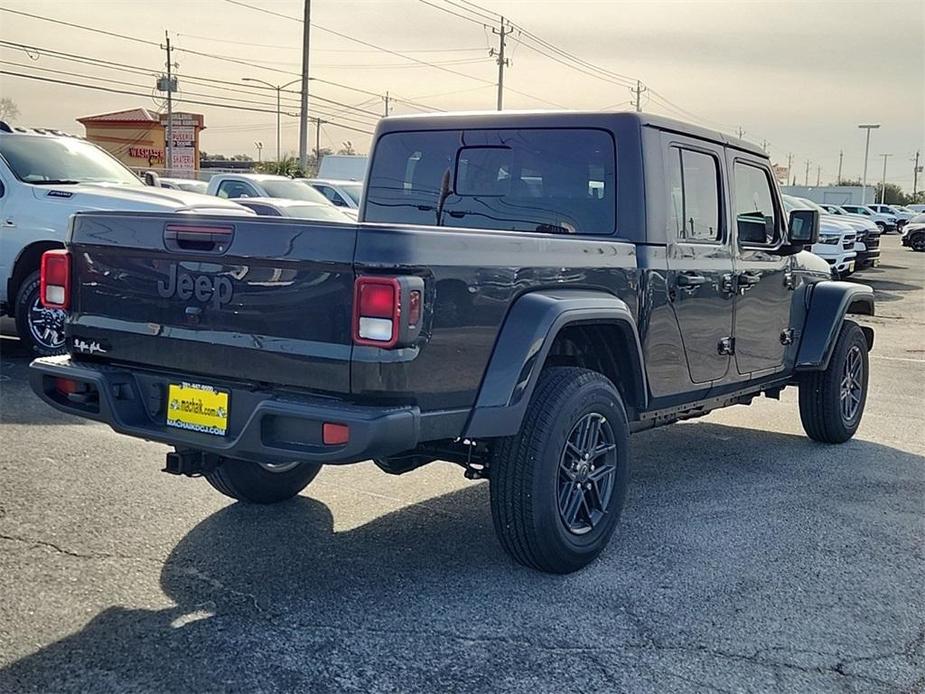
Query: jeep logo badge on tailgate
x,y
204,288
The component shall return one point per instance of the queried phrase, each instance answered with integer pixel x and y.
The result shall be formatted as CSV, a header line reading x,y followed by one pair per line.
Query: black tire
x,y
259,484
528,480
823,410
881,226
40,329
917,242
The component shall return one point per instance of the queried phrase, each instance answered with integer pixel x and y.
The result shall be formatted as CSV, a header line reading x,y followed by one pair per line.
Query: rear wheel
x,y
832,401
261,483
40,328
881,226
558,487
918,242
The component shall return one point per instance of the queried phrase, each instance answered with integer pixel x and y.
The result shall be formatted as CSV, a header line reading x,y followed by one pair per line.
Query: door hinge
x,y
786,336
789,280
728,284
727,346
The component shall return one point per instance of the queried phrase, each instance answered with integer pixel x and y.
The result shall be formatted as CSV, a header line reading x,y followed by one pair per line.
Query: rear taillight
x,y
387,311
55,279
377,309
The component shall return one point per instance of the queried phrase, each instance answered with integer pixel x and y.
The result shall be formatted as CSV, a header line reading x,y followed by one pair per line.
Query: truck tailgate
x,y
251,299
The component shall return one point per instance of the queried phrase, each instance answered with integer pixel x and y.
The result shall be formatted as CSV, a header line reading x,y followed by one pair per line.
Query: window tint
x,y
546,180
756,220
331,194
264,210
694,185
235,189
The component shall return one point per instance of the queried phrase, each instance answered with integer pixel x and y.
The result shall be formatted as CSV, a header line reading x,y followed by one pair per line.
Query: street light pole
x,y
868,128
279,88
883,180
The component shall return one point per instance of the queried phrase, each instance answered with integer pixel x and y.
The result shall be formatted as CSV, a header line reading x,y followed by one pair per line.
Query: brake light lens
x,y
55,279
335,434
377,307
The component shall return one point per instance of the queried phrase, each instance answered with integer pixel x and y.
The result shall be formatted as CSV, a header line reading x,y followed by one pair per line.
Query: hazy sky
x,y
800,75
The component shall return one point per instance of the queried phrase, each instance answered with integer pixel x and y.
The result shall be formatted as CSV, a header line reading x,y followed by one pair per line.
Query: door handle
x,y
9,222
689,280
748,279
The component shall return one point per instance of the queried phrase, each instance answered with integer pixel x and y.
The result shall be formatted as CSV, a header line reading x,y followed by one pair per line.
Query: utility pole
x,y
279,88
740,132
789,164
386,100
638,92
303,111
806,177
764,145
318,124
883,180
170,86
915,176
819,175
502,31
841,156
868,128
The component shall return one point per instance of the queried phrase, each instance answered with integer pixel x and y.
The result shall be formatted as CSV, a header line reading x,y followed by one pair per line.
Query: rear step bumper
x,y
262,426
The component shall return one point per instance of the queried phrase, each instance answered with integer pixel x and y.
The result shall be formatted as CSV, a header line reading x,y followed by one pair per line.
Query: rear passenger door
x,y
699,256
763,279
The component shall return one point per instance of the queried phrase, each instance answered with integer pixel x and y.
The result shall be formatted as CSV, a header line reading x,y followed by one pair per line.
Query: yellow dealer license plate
x,y
197,408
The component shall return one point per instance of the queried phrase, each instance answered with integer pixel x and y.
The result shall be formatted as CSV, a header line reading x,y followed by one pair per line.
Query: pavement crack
x,y
58,549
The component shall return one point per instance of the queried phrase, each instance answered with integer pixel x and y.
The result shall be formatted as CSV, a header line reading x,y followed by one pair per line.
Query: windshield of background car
x,y
355,191
324,213
37,159
813,206
293,190
193,186
543,180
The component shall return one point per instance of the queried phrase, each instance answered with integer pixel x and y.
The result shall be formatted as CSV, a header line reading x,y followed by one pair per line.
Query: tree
x,y
848,182
288,166
8,109
894,195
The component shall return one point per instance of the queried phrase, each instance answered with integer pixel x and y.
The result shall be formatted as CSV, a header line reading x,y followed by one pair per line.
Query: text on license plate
x,y
197,408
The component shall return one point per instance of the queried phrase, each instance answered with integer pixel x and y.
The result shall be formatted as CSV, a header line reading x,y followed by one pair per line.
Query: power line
x,y
180,99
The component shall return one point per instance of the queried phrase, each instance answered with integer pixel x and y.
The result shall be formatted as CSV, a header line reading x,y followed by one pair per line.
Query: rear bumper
x,y
263,426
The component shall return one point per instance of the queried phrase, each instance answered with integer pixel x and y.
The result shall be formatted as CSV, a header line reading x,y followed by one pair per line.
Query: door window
x,y
695,195
756,217
235,189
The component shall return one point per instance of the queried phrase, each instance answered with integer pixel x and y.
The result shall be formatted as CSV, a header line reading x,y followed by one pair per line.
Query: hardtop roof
x,y
540,119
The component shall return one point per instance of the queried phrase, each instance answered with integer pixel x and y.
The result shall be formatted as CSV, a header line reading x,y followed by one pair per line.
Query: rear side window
x,y
235,189
558,181
694,184
756,219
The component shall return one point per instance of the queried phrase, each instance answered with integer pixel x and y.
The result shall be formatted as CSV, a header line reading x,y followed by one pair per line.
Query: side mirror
x,y
152,179
804,227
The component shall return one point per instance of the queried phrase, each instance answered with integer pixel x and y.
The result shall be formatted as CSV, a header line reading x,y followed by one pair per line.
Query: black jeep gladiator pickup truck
x,y
523,291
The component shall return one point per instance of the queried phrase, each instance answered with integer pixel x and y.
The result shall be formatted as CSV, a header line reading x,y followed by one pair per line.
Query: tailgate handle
x,y
197,238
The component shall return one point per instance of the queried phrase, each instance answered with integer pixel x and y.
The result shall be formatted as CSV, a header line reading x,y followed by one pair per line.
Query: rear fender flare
x,y
526,336
829,303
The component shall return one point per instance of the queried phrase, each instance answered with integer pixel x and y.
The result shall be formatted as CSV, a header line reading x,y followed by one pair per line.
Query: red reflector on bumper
x,y
67,386
335,434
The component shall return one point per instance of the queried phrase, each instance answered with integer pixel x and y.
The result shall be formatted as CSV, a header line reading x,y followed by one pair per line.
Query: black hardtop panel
x,y
618,122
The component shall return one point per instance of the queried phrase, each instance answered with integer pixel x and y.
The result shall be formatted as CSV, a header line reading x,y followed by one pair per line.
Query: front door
x,y
762,276
699,257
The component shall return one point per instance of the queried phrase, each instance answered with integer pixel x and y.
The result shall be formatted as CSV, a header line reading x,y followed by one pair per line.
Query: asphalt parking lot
x,y
748,559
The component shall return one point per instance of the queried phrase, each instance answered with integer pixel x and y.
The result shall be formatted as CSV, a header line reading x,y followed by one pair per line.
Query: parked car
x,y
902,216
340,193
45,177
867,239
914,233
236,186
289,345
918,209
188,184
886,222
281,207
836,241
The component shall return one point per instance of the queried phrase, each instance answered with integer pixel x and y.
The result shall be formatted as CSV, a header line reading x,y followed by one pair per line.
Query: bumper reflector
x,y
335,434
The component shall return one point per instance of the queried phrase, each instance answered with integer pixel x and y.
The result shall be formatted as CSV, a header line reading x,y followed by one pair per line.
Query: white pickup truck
x,y
232,186
45,177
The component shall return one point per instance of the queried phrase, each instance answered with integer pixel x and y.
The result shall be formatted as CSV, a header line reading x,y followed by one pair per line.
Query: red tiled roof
x,y
141,115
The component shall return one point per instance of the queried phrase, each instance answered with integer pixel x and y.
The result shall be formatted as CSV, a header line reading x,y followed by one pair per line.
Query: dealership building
x,y
137,137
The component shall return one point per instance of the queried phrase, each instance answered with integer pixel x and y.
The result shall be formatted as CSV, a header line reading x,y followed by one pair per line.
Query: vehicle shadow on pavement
x,y
18,404
784,571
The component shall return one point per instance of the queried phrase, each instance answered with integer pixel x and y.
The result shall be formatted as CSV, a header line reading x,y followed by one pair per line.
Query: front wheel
x,y
918,243
41,329
832,401
261,483
558,487
881,226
